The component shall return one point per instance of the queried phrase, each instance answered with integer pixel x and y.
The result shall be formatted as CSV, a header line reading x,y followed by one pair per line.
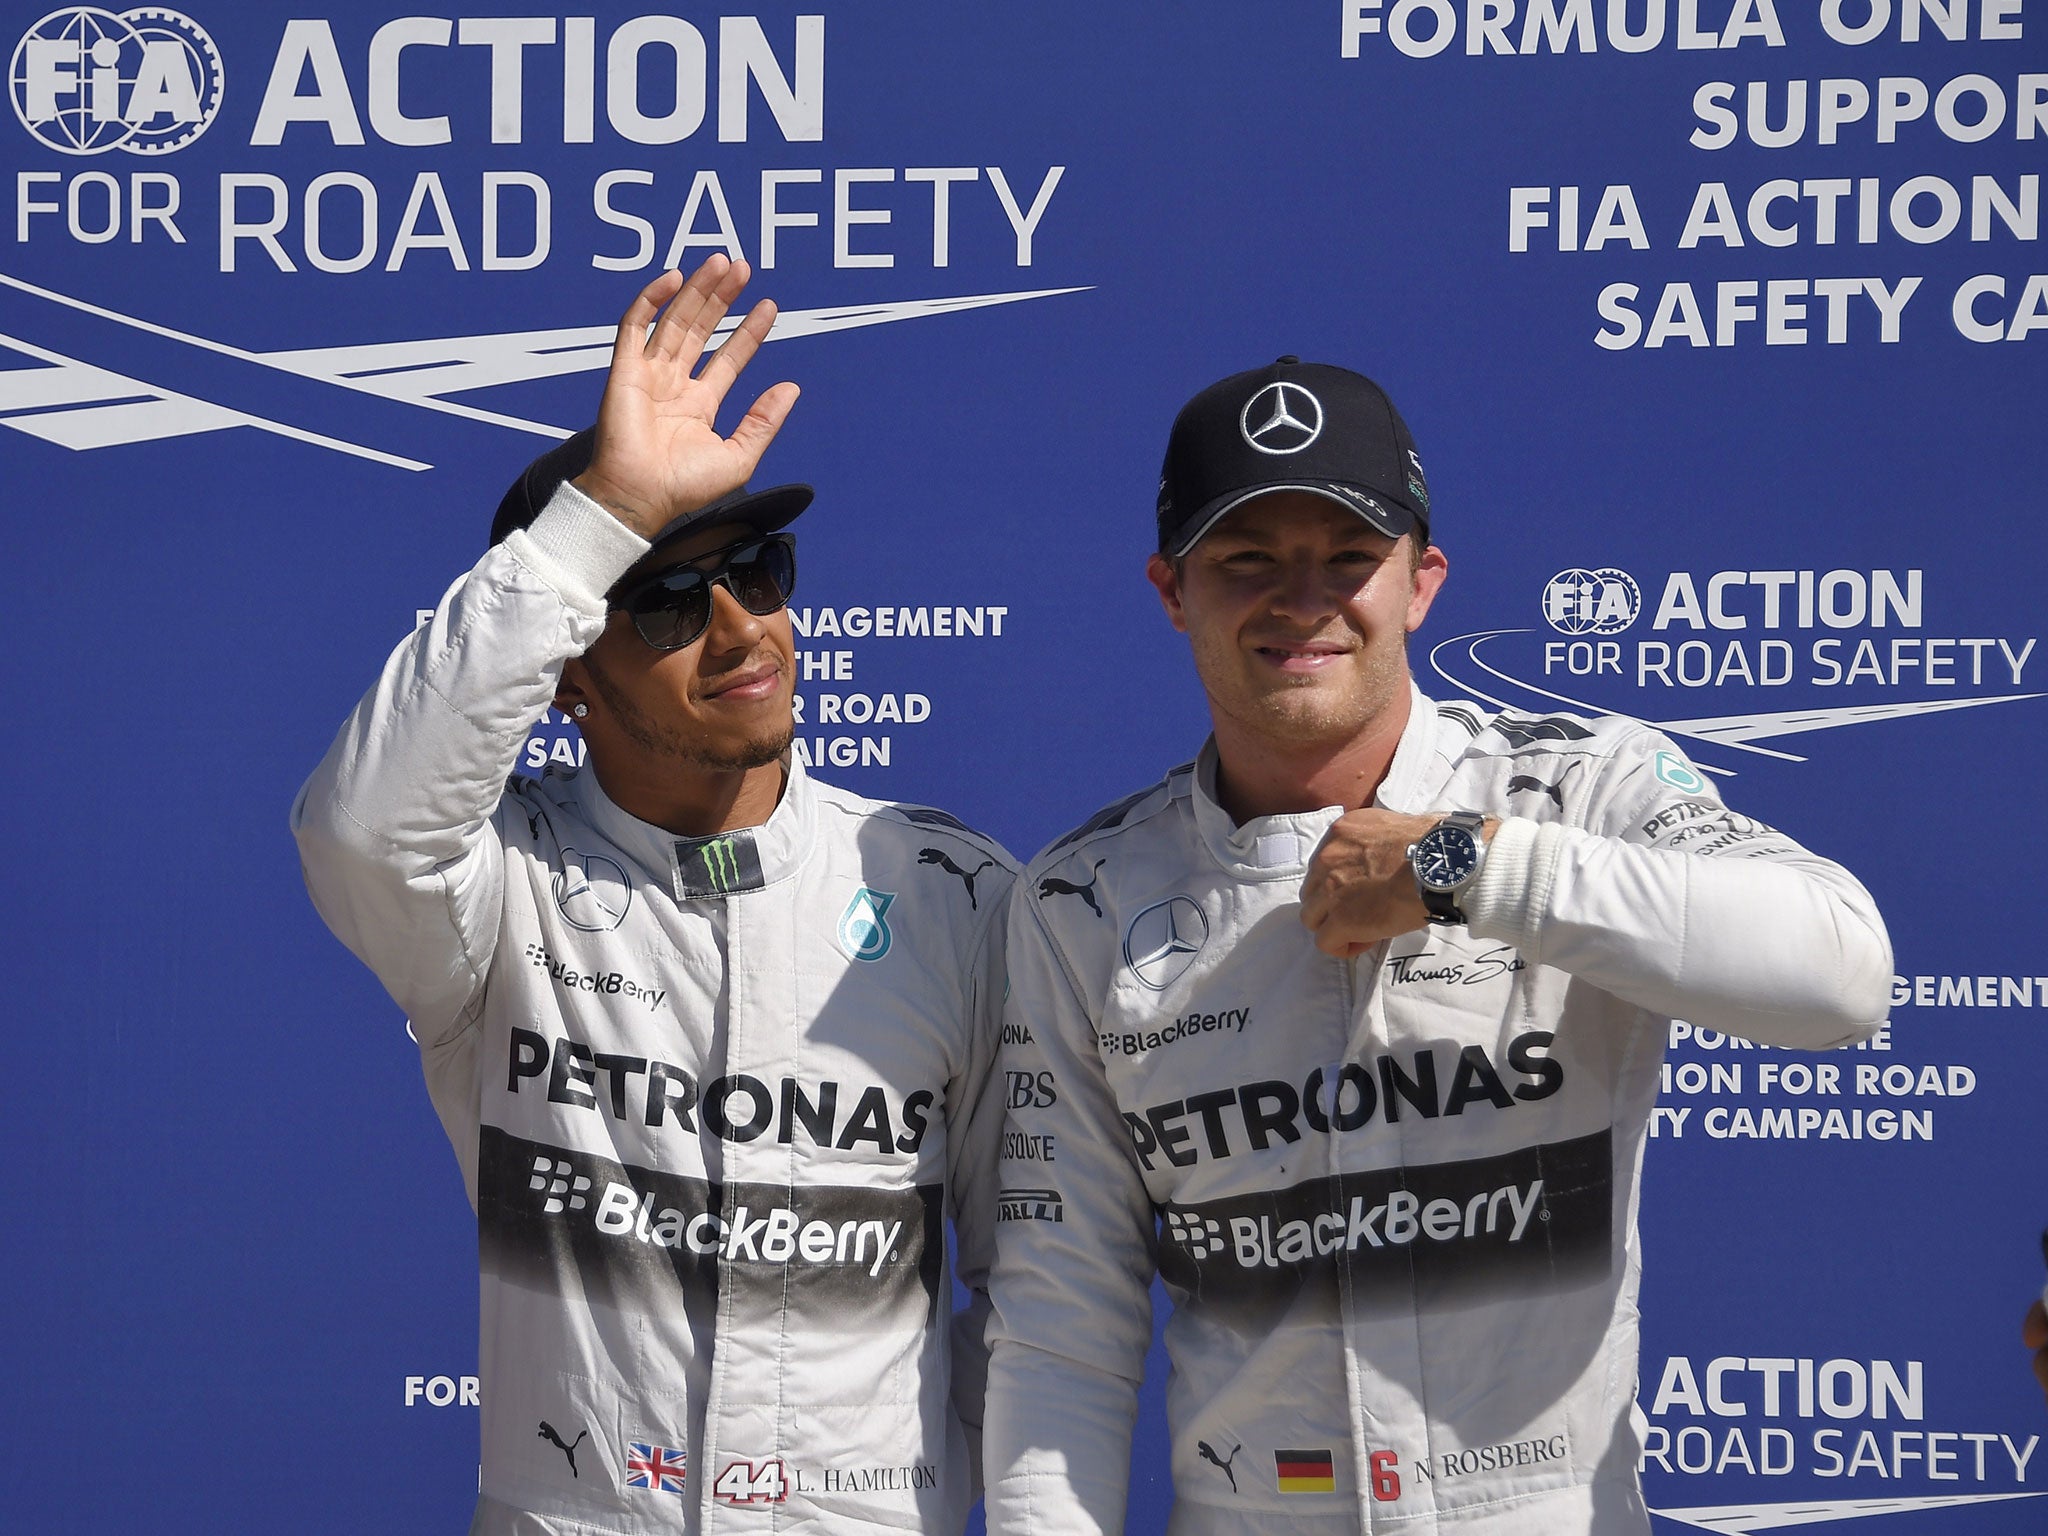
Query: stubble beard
x,y
688,752
1307,713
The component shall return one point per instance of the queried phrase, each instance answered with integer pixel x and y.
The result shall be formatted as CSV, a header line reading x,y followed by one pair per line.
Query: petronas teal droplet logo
x,y
864,925
1678,773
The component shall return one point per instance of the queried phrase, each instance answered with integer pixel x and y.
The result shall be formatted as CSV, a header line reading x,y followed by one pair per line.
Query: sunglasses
x,y
672,608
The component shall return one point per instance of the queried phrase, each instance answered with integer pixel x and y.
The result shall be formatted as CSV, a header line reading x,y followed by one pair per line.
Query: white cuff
x,y
578,548
1512,893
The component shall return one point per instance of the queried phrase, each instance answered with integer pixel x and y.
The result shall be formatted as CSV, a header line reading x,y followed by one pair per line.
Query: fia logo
x,y
146,80
1582,602
864,925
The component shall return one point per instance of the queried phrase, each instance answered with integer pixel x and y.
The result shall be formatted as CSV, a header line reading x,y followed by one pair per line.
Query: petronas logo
x,y
864,925
721,863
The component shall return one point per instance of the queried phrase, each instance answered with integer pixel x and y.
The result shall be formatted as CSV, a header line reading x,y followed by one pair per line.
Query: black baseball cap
x,y
763,511
1290,426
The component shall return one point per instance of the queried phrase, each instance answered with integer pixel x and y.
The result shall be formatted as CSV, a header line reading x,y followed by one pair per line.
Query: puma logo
x,y
1052,885
1528,781
935,856
1222,1464
547,1433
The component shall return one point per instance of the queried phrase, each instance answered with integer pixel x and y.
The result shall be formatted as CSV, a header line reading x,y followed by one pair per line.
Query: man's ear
x,y
574,688
1160,572
1431,567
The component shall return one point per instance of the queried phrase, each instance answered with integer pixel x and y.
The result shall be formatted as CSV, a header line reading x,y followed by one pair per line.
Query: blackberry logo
x,y
558,1178
1198,1234
147,81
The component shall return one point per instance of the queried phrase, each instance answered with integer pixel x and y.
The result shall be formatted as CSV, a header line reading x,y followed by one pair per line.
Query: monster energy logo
x,y
721,865
717,866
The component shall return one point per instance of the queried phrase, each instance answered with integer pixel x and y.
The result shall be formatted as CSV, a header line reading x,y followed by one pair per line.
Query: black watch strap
x,y
1443,905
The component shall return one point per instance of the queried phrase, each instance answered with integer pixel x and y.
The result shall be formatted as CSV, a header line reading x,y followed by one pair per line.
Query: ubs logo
x,y
147,81
1163,940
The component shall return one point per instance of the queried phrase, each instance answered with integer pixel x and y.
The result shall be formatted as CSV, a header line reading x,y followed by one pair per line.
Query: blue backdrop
x,y
1721,325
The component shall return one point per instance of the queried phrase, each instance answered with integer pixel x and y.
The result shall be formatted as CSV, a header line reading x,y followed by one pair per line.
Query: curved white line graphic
x,y
1747,1519
1736,732
1472,655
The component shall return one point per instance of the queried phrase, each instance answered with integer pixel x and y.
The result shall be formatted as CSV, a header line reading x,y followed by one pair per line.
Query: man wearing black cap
x,y
1350,1031
709,1037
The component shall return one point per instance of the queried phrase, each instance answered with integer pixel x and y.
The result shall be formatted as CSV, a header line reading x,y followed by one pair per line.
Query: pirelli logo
x,y
1030,1205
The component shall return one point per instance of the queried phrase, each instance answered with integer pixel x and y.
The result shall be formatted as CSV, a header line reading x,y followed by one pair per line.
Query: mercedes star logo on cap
x,y
1288,419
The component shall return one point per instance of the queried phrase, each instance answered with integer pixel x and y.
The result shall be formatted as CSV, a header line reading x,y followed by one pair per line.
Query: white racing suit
x,y
712,1098
1393,1198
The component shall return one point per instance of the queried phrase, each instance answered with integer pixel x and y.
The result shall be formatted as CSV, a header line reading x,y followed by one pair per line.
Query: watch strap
x,y
1443,905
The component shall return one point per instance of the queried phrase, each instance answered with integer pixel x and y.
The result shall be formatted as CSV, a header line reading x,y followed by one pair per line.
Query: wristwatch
x,y
1446,859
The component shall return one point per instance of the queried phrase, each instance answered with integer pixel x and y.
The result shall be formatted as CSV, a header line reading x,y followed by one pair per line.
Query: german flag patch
x,y
1304,1472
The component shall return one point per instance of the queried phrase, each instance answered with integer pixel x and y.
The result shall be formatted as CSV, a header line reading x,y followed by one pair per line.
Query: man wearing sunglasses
x,y
1357,1033
710,1038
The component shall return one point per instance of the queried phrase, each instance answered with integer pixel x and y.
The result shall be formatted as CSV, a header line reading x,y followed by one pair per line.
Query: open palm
x,y
658,454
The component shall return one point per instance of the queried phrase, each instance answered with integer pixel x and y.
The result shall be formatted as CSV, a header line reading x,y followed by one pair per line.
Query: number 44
x,y
744,1482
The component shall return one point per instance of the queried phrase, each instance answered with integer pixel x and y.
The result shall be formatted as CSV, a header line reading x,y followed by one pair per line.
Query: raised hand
x,y
658,454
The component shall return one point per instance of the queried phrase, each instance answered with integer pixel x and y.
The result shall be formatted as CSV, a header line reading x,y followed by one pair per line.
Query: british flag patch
x,y
657,1468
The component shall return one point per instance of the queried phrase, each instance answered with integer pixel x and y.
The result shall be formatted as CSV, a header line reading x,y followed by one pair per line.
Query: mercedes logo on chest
x,y
591,891
1281,418
1163,940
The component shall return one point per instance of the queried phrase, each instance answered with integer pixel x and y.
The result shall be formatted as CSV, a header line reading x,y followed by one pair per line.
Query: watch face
x,y
1446,856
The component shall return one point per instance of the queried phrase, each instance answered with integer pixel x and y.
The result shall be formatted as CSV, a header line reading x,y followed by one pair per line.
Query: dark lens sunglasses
x,y
673,607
